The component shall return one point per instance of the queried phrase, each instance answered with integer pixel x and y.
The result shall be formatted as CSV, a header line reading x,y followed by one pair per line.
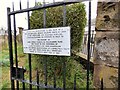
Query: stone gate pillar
x,y
19,37
107,43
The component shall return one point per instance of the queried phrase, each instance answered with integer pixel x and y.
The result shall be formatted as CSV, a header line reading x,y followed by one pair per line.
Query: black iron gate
x,y
16,73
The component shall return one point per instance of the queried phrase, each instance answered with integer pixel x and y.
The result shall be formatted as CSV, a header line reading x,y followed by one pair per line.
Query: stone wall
x,y
107,44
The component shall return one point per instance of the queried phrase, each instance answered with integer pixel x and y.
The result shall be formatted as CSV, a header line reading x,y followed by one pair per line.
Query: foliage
x,y
55,67
76,19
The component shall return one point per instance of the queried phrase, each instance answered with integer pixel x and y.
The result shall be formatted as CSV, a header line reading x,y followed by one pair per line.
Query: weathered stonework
x,y
107,44
109,75
107,48
107,16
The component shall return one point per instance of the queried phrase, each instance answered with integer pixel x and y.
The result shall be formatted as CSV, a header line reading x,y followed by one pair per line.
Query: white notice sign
x,y
47,41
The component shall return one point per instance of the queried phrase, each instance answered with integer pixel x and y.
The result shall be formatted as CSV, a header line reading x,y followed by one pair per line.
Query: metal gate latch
x,y
18,72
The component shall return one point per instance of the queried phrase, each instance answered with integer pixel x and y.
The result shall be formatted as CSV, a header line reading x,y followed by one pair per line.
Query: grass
x,y
73,67
5,77
4,63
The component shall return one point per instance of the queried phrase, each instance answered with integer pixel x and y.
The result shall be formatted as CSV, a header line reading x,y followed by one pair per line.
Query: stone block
x,y
108,16
107,48
109,76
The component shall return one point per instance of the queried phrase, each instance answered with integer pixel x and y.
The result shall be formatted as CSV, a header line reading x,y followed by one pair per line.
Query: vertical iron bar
x,y
45,67
54,77
10,49
64,64
102,84
15,48
64,74
30,70
89,36
23,78
13,5
44,15
64,14
37,75
29,55
20,5
75,82
44,25
54,80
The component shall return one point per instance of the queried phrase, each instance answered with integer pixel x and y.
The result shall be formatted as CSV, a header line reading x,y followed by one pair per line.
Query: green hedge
x,y
76,19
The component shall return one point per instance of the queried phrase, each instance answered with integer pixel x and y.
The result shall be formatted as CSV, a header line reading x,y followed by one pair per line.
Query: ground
x,y
23,61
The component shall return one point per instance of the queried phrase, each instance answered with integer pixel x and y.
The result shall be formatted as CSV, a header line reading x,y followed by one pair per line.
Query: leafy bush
x,y
76,19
